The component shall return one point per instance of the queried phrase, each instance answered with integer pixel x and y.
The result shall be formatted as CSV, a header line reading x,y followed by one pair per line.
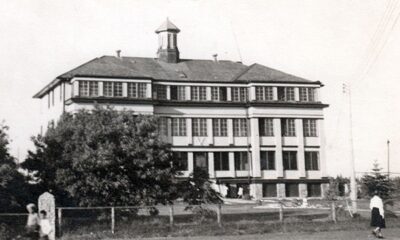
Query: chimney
x,y
118,53
215,56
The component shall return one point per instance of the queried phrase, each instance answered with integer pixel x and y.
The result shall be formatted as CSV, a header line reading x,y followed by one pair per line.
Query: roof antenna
x,y
236,43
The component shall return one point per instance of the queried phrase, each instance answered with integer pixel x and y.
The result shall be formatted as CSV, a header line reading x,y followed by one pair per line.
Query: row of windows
x,y
112,89
197,93
267,160
240,127
291,190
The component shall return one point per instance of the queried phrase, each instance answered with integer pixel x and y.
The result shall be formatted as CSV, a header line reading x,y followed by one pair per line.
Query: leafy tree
x,y
104,157
13,185
376,181
197,190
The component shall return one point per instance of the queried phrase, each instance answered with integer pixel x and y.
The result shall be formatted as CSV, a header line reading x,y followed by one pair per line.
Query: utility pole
x,y
353,183
388,158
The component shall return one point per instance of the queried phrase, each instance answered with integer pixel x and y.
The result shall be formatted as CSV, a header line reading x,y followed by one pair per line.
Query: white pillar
x,y
296,94
208,93
187,93
252,95
190,162
149,91
228,94
125,89
300,149
232,171
189,131
275,93
169,130
278,148
229,124
168,90
255,147
211,170
210,137
101,93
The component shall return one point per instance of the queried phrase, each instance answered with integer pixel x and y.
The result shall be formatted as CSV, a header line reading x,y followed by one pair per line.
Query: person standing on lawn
x,y
32,225
377,215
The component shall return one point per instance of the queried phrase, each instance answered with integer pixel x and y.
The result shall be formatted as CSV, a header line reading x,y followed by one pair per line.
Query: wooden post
x,y
333,208
60,222
112,220
171,215
280,212
219,215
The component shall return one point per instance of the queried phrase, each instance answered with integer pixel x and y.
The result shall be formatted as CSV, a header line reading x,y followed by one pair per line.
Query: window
x,y
266,127
142,90
314,190
286,94
180,160
269,190
307,94
267,160
163,126
198,93
117,89
240,127
160,91
221,161
200,160
289,160
311,160
292,189
264,93
288,127
178,92
239,94
108,89
310,128
132,90
241,161
199,127
93,89
178,126
137,90
83,88
218,93
220,128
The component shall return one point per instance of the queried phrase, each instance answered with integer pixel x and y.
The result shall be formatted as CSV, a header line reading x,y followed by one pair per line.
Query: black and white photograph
x,y
199,119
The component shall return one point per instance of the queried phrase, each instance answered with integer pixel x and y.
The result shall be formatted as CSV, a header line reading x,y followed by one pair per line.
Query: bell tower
x,y
167,42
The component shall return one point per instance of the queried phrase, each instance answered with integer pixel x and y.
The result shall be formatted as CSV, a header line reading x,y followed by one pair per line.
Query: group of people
x,y
38,227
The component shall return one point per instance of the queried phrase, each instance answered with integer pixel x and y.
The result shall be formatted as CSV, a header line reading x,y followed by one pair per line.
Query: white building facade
x,y
251,127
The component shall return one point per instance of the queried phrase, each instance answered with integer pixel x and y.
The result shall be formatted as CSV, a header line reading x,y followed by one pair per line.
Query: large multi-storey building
x,y
252,127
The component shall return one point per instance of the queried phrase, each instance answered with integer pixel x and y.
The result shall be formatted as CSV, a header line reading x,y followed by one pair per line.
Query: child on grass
x,y
45,226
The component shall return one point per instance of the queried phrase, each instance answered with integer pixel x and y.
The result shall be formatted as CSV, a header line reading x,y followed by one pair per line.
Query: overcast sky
x,y
329,41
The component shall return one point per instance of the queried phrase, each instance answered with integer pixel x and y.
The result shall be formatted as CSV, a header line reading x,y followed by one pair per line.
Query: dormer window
x,y
307,94
239,94
88,89
286,94
264,93
198,93
218,93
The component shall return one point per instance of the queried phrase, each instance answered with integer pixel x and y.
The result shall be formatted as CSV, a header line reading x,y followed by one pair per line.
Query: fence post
x,y
219,215
280,212
60,221
333,209
112,220
171,215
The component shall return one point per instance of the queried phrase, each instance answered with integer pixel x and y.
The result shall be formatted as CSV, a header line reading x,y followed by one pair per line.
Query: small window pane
x,y
292,189
181,160
221,161
314,190
269,190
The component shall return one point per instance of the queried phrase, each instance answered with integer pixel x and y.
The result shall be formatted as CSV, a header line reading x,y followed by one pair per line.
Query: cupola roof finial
x,y
168,26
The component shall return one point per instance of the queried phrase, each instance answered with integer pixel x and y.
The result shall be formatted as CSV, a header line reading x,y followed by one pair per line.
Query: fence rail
x,y
115,219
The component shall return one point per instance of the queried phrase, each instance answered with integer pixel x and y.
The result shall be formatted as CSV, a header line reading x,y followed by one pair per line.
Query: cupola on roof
x,y
167,26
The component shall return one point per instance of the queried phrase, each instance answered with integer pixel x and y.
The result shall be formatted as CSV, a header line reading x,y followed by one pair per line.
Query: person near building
x,y
32,224
377,215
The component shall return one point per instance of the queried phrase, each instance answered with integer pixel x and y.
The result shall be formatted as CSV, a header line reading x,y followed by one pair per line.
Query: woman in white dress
x,y
377,215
